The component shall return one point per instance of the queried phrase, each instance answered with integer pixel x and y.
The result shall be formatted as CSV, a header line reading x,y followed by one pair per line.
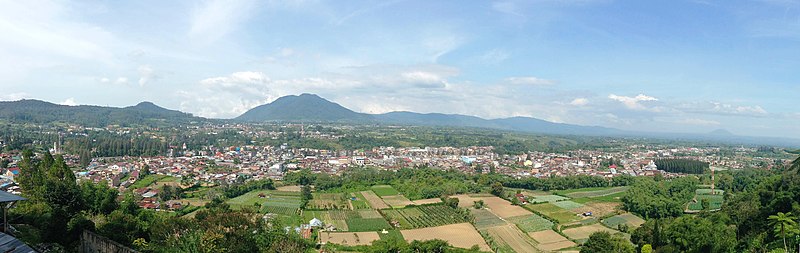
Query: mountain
x,y
312,108
305,107
721,132
41,112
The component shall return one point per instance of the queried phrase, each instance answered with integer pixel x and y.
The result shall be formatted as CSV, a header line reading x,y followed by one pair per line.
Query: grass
x,y
394,233
569,205
531,223
610,198
548,198
367,224
554,212
146,181
715,202
384,190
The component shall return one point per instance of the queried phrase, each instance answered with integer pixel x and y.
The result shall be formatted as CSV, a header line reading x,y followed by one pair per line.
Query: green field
x,y
146,181
427,216
547,198
568,205
626,218
359,202
592,192
485,219
531,223
554,212
715,201
384,190
367,224
329,201
285,203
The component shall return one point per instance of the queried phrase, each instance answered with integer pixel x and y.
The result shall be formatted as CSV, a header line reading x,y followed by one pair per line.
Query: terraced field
x,y
554,212
531,223
511,236
427,216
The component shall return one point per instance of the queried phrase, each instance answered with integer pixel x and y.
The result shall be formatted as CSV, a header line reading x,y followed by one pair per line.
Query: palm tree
x,y
782,222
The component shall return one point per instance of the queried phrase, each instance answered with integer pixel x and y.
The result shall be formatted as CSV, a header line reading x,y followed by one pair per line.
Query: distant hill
x,y
305,107
145,113
312,108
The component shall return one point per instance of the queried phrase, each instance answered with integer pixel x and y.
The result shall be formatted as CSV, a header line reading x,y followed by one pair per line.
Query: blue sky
x,y
662,66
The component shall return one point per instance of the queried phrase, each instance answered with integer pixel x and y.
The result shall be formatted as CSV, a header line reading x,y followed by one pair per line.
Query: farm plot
x,y
349,238
461,235
486,219
549,240
568,205
427,216
357,201
554,212
337,218
427,201
714,200
397,201
531,223
629,219
598,209
328,201
367,224
384,190
289,188
286,203
547,198
582,233
594,192
512,237
249,199
374,201
465,201
503,208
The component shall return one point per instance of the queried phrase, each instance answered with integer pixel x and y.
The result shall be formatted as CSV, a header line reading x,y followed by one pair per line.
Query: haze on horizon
x,y
673,66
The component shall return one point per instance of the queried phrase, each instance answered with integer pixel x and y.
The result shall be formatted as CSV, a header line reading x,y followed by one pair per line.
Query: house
x,y
315,223
12,172
521,198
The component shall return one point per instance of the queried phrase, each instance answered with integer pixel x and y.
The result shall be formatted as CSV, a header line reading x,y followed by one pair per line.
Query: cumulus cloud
x,y
146,74
69,102
579,102
720,108
528,80
13,96
633,103
121,80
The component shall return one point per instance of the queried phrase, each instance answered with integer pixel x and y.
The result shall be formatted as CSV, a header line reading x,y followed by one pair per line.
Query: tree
x,y
477,204
782,222
647,248
604,242
451,202
497,189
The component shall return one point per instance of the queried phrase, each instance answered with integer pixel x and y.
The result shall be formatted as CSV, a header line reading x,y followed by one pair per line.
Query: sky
x,y
675,66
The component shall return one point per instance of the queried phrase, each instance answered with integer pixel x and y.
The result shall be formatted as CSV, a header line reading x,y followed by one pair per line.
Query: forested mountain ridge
x,y
41,112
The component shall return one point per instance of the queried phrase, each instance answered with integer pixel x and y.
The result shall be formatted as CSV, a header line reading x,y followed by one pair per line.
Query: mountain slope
x,y
305,107
35,111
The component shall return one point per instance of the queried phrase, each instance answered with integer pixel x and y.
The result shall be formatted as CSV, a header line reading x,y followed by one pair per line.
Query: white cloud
x,y
721,108
216,18
69,102
104,80
699,122
579,102
146,74
121,80
529,80
632,102
495,56
13,96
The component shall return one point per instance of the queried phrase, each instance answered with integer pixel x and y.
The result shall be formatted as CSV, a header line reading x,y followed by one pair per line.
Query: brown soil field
x,y
374,201
461,235
502,207
289,188
549,240
194,201
584,232
598,209
397,201
465,200
513,237
429,201
349,238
